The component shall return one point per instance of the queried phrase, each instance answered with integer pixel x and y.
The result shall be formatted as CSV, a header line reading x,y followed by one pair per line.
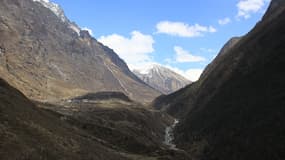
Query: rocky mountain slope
x,y
162,78
49,58
241,114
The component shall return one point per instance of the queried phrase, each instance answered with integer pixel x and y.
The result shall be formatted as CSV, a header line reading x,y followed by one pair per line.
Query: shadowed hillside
x,y
236,110
27,132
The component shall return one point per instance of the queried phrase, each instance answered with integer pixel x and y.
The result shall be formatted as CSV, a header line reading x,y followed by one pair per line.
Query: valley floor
x,y
101,130
128,128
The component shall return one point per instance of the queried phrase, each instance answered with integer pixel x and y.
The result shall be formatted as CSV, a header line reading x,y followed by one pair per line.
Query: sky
x,y
183,35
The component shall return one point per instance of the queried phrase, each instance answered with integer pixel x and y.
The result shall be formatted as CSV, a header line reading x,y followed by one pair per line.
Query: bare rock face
x,y
49,58
162,79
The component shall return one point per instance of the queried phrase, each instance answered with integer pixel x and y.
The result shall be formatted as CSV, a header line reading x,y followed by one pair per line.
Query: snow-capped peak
x,y
55,8
148,68
161,78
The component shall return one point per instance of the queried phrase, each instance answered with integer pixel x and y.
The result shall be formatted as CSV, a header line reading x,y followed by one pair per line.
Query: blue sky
x,y
184,35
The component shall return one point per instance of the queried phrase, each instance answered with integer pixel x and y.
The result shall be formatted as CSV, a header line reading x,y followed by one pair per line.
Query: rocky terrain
x,y
161,78
101,96
49,58
235,111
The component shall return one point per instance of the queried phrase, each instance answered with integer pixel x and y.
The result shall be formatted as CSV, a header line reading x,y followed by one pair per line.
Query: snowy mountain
x,y
58,11
161,78
55,8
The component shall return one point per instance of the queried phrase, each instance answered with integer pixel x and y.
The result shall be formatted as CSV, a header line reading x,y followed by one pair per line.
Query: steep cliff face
x,y
49,58
162,78
235,111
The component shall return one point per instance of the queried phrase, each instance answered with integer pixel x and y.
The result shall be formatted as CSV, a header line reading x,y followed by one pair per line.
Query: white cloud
x,y
212,29
135,50
224,21
182,29
248,7
191,74
185,56
89,30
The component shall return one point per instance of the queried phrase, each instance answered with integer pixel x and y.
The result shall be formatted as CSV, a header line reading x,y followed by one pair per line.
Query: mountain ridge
x,y
49,59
